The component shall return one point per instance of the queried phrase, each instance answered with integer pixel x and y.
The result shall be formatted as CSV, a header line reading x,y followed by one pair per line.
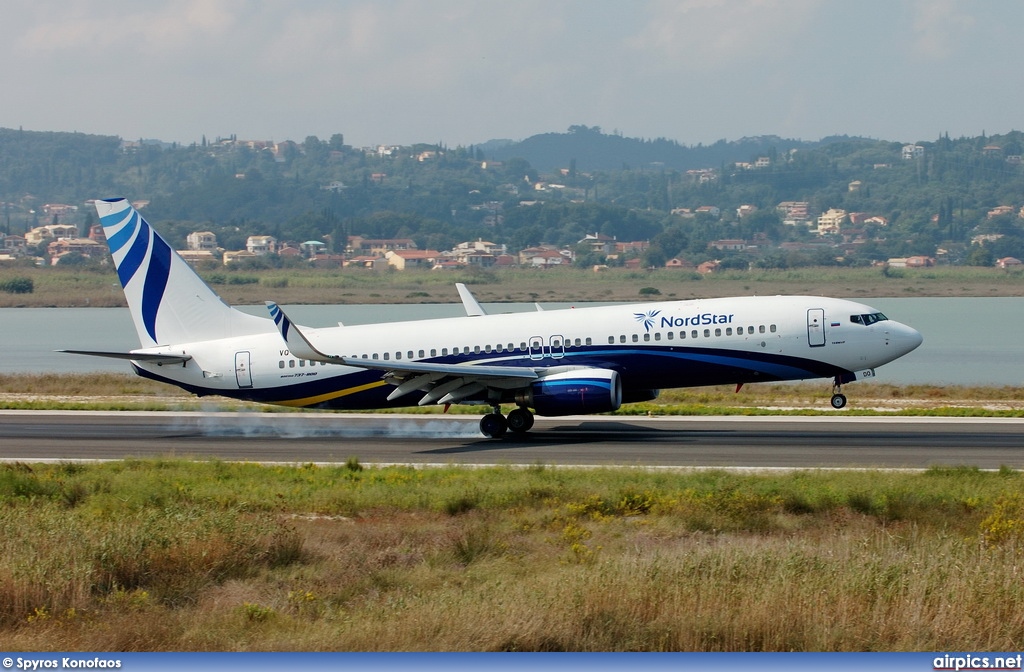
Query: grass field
x,y
180,555
72,288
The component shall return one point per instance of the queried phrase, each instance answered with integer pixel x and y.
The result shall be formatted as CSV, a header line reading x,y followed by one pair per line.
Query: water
x,y
967,341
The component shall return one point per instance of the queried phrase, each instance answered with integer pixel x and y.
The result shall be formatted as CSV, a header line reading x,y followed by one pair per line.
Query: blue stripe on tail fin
x,y
168,301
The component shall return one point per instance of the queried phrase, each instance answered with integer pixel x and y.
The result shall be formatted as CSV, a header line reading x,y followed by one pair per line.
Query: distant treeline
x,y
549,189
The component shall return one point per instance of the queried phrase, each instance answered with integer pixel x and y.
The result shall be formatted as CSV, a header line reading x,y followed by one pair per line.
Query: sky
x,y
462,72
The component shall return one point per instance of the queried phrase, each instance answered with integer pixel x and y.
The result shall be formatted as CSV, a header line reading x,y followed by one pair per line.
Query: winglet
x,y
297,342
472,306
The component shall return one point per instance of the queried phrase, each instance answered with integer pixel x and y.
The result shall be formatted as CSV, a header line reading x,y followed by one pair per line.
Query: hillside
x,y
722,202
592,150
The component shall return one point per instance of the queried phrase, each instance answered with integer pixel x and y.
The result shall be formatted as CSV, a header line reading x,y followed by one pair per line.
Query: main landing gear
x,y
494,425
838,398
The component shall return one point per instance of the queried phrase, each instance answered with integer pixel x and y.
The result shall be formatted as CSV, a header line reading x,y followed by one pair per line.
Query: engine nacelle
x,y
574,392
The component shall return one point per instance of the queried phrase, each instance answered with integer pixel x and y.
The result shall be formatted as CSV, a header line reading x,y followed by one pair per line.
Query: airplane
x,y
563,362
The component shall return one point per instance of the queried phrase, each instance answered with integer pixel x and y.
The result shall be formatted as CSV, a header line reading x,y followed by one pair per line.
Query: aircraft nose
x,y
906,338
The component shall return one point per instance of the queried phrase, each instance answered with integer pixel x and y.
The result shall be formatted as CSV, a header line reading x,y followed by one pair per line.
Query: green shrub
x,y
18,286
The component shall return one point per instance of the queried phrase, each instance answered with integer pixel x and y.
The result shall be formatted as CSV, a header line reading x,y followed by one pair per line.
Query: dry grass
x,y
169,555
67,288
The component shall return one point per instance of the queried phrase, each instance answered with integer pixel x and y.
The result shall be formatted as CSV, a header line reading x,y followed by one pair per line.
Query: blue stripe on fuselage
x,y
640,367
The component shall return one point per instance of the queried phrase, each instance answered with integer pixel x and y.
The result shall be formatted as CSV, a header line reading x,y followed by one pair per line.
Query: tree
x,y
980,255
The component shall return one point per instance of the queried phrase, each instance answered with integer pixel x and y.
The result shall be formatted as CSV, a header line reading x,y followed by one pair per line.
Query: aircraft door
x,y
816,327
536,347
556,346
243,365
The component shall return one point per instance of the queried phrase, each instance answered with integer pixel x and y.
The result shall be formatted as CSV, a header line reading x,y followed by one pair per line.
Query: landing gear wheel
x,y
838,401
520,420
493,425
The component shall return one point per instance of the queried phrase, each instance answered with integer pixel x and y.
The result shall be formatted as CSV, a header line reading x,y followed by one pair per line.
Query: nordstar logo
x,y
647,318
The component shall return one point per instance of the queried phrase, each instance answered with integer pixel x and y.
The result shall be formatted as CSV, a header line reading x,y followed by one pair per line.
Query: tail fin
x,y
169,303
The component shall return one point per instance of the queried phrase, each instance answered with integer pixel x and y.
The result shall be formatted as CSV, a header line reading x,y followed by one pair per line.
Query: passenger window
x,y
760,329
611,339
718,331
622,338
647,337
707,333
670,335
387,355
280,364
636,339
693,334
589,341
750,330
772,329
728,331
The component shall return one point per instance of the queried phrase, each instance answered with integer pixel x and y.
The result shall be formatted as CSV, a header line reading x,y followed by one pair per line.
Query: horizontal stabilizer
x,y
134,356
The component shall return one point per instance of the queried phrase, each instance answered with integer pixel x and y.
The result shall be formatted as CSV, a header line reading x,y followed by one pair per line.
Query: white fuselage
x,y
651,345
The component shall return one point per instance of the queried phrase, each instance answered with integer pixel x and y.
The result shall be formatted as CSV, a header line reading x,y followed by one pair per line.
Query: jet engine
x,y
574,392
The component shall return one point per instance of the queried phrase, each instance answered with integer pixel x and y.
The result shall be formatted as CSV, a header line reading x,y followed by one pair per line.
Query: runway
x,y
757,442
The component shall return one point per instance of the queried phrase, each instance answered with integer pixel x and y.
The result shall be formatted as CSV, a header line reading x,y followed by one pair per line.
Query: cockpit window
x,y
867,319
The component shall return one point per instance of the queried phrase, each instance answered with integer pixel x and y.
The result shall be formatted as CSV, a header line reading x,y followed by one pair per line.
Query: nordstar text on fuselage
x,y
695,320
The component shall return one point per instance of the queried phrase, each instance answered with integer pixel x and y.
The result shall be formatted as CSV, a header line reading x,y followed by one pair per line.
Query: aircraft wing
x,y
444,383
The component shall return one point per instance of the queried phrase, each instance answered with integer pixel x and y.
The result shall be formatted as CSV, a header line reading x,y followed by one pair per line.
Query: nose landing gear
x,y
838,398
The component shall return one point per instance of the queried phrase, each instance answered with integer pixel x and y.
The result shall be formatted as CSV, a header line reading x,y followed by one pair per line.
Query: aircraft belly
x,y
691,367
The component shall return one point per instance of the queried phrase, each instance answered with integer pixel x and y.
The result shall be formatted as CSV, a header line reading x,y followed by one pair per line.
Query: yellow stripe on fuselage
x,y
321,398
